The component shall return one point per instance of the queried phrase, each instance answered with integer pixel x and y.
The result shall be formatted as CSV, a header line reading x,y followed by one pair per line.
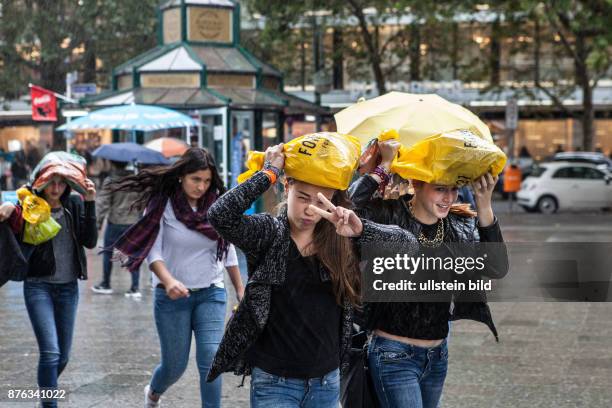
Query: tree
x,y
41,40
385,55
115,31
36,43
583,29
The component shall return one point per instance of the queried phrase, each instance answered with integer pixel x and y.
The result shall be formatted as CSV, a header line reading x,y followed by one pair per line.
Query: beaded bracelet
x,y
271,171
384,175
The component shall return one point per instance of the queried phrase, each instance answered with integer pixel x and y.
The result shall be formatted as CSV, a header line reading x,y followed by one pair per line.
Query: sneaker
x,y
133,293
102,289
149,403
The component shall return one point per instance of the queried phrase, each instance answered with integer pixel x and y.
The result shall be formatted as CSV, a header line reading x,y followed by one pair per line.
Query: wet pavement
x,y
549,354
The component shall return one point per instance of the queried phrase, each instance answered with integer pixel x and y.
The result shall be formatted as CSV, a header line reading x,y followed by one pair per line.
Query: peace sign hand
x,y
346,222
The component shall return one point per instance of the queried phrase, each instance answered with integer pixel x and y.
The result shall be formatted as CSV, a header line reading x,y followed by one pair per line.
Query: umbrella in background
x,y
414,116
168,146
131,117
129,153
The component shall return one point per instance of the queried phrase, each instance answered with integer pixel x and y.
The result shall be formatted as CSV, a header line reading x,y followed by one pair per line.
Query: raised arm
x,y
252,234
249,233
362,190
488,230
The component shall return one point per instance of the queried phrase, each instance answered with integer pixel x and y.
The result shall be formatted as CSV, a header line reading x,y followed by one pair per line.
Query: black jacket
x,y
265,241
82,218
461,229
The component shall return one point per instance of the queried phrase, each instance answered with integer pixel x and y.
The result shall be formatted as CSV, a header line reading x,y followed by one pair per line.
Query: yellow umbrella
x,y
414,116
442,142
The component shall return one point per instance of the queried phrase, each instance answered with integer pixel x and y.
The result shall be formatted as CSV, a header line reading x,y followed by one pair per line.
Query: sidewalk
x,y
549,355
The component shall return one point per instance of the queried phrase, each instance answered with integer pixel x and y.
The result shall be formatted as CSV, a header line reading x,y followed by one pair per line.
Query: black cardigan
x,y
461,229
265,241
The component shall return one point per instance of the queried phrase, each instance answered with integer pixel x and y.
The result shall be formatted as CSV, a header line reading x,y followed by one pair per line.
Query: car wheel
x,y
529,209
547,205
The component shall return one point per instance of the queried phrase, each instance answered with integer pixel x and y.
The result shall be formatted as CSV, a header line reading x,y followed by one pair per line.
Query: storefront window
x,y
269,131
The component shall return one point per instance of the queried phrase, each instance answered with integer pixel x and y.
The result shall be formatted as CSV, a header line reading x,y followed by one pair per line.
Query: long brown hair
x,y
163,180
337,254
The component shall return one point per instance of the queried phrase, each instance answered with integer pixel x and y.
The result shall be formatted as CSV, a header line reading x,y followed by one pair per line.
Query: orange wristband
x,y
271,175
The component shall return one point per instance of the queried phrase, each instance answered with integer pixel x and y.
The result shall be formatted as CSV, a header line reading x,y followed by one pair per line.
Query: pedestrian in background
x,y
5,169
512,182
187,257
19,170
116,207
466,196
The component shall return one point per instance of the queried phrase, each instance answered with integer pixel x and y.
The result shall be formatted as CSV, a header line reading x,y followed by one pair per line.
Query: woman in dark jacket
x,y
408,355
50,289
292,329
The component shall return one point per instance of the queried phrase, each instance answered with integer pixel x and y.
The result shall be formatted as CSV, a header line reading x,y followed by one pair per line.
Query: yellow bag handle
x,y
254,163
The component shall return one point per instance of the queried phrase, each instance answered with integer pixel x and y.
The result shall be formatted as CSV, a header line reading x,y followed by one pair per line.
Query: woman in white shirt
x,y
187,258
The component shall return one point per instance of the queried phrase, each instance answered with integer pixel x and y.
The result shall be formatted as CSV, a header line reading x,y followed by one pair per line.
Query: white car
x,y
565,185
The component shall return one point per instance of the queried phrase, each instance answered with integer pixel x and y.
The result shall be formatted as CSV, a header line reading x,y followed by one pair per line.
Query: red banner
x,y
44,104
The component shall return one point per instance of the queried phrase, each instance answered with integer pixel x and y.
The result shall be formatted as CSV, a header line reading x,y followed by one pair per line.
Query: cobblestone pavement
x,y
549,355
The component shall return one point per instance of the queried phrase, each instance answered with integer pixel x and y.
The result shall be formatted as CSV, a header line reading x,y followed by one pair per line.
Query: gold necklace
x,y
423,240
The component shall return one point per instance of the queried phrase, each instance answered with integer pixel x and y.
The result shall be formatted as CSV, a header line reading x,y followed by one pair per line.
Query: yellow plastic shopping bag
x,y
35,208
36,234
451,158
40,226
325,159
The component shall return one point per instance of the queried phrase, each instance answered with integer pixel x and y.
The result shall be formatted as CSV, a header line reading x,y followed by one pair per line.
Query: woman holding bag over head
x,y
187,258
50,289
408,355
293,327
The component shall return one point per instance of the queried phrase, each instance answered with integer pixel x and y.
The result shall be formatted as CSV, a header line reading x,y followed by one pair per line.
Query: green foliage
x,y
41,40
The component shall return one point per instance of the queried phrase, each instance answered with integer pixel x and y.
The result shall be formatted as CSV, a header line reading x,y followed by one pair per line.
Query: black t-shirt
x,y
302,336
417,320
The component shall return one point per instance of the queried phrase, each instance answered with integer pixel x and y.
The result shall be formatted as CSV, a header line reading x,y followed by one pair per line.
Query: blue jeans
x,y
111,235
52,309
202,313
407,376
269,390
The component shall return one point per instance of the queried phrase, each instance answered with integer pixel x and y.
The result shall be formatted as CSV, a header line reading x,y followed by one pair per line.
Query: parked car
x,y
566,185
599,159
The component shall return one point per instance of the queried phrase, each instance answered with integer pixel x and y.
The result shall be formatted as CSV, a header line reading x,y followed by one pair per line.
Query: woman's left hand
x,y
483,191
90,190
346,221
